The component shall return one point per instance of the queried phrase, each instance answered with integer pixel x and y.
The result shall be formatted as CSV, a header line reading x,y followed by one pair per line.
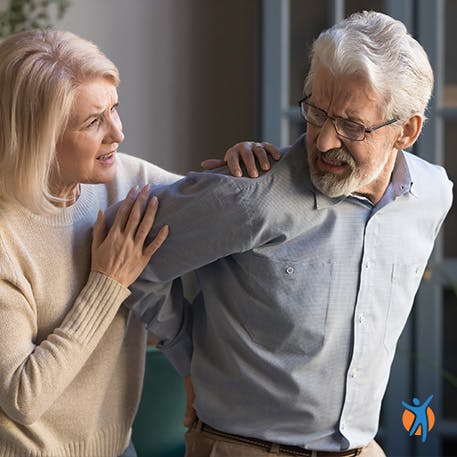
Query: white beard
x,y
336,186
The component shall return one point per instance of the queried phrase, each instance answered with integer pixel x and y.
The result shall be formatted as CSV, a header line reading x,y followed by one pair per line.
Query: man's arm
x,y
167,315
210,216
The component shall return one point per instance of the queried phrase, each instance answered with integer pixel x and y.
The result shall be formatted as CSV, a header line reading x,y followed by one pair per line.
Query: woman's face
x,y
86,152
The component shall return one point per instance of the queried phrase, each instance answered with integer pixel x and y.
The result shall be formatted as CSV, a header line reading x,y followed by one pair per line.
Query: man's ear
x,y
410,130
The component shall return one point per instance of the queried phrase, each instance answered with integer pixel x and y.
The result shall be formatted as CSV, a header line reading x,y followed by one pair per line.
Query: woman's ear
x,y
410,130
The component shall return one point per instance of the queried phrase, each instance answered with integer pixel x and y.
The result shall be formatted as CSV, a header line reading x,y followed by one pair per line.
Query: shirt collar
x,y
322,201
402,181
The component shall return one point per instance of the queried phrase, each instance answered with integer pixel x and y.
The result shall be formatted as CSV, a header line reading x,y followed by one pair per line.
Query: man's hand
x,y
245,153
190,414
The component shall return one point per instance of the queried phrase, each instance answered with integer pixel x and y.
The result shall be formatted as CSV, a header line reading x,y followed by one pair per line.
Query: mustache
x,y
337,155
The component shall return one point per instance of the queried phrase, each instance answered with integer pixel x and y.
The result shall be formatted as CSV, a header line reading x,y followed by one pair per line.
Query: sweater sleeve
x,y
33,376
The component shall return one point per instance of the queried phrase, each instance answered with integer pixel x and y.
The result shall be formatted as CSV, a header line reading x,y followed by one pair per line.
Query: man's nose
x,y
327,138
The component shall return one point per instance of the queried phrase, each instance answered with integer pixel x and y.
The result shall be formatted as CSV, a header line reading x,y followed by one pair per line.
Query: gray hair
x,y
380,49
40,72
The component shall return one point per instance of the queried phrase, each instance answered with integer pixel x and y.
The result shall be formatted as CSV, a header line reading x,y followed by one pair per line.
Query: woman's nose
x,y
115,133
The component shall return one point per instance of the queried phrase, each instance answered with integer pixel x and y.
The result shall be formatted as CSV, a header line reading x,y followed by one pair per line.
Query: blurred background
x,y
189,70
201,75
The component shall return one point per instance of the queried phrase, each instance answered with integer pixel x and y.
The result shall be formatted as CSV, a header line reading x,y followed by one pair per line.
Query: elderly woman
x,y
72,358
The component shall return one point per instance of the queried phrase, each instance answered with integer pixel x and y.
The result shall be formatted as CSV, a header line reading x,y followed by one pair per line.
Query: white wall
x,y
188,70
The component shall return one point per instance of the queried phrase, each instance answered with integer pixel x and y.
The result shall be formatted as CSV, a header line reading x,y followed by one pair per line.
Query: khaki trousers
x,y
206,444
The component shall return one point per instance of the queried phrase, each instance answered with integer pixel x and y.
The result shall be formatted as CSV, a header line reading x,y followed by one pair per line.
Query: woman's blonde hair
x,y
40,72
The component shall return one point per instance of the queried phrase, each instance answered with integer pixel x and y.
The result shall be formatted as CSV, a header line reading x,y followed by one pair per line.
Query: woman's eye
x,y
94,123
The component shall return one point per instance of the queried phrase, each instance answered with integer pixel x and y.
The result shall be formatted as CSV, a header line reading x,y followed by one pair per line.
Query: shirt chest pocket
x,y
288,303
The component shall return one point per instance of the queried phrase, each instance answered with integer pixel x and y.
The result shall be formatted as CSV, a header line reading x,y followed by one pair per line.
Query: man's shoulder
x,y
429,179
422,171
286,177
293,159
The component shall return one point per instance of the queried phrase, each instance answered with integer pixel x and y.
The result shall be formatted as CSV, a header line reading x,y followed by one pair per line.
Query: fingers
x,y
147,221
271,150
248,153
249,161
261,155
140,223
99,232
155,244
211,164
241,152
136,211
232,160
123,212
262,151
122,254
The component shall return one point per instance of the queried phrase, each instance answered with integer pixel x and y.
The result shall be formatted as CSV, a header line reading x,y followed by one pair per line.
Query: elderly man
x,y
309,272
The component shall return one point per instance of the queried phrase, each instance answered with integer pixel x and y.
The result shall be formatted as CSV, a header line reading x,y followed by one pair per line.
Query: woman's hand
x,y
245,153
121,253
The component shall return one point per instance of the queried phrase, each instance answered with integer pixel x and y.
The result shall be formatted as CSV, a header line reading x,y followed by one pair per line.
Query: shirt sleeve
x,y
210,216
167,314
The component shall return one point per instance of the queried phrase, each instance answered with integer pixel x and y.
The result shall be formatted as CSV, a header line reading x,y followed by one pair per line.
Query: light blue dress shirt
x,y
303,297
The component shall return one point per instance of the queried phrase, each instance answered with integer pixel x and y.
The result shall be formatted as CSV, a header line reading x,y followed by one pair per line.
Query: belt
x,y
267,445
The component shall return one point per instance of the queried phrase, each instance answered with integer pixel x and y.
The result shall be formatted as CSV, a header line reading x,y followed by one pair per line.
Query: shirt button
x,y
353,374
290,270
361,319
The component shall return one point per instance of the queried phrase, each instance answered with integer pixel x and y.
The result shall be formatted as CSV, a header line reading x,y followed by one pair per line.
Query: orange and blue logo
x,y
418,419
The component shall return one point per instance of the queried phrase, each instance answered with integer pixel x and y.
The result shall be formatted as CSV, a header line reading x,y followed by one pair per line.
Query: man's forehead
x,y
352,92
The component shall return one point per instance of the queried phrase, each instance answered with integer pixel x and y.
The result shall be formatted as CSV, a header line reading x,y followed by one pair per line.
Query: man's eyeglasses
x,y
345,128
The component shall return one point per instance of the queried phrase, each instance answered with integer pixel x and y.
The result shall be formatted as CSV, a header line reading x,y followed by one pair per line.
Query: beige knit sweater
x,y
71,357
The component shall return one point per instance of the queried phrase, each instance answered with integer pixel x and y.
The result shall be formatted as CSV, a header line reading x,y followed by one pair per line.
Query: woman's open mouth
x,y
107,159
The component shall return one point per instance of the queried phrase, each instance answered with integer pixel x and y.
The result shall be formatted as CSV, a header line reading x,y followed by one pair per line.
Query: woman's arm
x,y
33,376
